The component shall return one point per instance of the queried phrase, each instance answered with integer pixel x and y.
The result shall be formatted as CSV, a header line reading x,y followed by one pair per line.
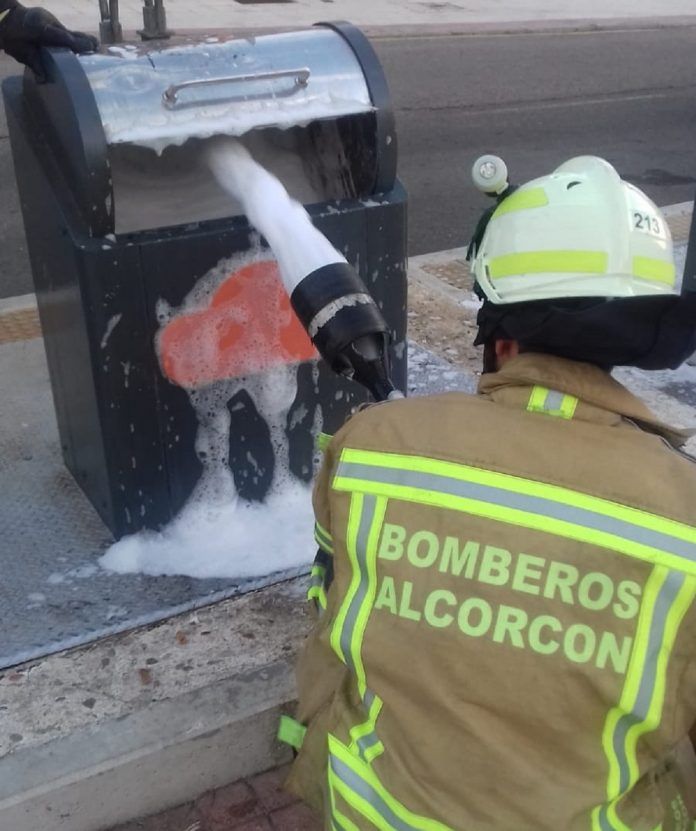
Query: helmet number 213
x,y
646,222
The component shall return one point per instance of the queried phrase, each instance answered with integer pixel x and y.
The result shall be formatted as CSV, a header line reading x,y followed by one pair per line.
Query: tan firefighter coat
x,y
509,636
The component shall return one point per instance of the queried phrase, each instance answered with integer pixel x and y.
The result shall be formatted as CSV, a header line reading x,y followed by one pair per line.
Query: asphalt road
x,y
536,100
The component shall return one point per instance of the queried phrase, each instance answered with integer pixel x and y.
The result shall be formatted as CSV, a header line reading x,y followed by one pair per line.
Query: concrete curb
x,y
20,303
531,27
146,720
466,29
179,749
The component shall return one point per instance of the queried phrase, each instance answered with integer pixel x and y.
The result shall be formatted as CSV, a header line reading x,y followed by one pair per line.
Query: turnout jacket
x,y
508,628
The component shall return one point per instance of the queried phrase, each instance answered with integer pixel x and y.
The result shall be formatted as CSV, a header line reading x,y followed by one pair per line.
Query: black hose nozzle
x,y
346,326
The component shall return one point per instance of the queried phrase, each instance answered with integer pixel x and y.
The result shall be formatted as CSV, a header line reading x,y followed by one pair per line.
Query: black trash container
x,y
148,277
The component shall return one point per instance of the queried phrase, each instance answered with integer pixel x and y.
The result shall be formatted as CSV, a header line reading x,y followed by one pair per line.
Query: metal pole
x,y
154,21
110,30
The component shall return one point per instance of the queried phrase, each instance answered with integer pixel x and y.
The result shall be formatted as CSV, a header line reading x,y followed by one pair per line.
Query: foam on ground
x,y
233,539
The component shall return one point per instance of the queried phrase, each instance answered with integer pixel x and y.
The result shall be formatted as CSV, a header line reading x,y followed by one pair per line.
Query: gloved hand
x,y
23,31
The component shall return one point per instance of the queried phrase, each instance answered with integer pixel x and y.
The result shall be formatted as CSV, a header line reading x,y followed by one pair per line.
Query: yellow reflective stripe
x,y
686,592
322,532
325,546
552,403
291,732
667,597
323,538
604,816
549,262
370,553
339,821
360,787
661,271
323,441
318,593
316,588
365,741
365,519
601,822
4,14
523,502
522,200
354,514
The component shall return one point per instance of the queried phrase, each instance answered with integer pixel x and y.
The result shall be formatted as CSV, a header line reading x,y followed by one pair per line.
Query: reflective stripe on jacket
x,y
510,633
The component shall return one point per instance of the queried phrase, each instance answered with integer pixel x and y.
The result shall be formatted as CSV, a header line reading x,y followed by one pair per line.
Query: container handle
x,y
170,97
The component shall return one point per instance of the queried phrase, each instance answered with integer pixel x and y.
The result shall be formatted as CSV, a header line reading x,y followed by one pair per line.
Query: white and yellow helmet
x,y
579,232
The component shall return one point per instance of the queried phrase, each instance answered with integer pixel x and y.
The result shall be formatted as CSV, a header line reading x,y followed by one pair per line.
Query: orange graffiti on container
x,y
248,328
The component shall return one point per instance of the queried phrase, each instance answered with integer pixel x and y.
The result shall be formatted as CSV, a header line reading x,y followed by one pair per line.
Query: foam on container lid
x,y
129,87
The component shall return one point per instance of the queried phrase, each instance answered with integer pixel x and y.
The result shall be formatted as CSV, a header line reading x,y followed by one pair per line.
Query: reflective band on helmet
x,y
522,200
667,597
523,502
361,789
552,403
660,271
549,262
291,732
365,521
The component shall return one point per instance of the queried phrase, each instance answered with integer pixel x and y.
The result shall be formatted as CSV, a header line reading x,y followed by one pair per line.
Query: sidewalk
x,y
255,804
409,15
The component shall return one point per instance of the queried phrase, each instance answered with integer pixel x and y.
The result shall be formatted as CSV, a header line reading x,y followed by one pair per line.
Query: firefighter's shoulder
x,y
409,421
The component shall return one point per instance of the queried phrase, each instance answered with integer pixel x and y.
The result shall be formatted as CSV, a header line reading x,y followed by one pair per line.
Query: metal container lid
x,y
225,88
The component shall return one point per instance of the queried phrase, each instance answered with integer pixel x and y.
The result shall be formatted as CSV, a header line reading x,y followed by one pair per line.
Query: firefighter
x,y
507,636
24,31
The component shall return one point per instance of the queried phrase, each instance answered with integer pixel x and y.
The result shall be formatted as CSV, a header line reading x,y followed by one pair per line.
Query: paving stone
x,y
257,804
22,324
296,817
257,824
268,788
183,818
455,273
227,807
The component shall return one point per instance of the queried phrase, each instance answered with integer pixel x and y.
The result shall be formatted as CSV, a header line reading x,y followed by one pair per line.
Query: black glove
x,y
24,31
